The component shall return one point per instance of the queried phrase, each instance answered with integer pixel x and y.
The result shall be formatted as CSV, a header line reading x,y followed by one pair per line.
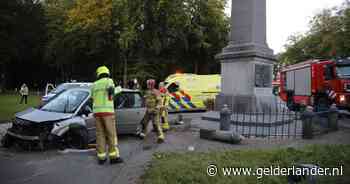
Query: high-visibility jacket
x,y
99,93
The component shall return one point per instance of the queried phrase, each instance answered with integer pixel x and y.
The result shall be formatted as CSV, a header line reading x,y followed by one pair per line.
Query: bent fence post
x,y
333,118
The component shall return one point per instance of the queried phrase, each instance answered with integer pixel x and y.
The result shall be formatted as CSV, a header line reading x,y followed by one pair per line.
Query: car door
x,y
129,112
89,120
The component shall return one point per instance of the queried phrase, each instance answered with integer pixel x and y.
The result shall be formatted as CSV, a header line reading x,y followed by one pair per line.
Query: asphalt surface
x,y
71,166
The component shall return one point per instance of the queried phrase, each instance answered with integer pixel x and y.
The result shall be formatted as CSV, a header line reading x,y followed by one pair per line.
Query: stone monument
x,y
247,62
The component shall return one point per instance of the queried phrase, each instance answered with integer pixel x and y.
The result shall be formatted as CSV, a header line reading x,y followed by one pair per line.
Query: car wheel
x,y
77,138
6,141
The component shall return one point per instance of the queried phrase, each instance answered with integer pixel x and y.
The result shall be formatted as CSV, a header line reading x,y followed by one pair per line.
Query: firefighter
x,y
102,93
164,108
153,105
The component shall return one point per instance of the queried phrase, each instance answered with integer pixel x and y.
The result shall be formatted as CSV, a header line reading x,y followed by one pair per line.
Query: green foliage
x,y
153,31
191,167
74,36
22,30
327,38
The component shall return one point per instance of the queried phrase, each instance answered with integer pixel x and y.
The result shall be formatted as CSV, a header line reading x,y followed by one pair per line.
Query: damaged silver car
x,y
67,120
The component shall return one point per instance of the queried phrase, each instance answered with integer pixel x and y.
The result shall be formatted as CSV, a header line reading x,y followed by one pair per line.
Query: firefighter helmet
x,y
102,70
151,83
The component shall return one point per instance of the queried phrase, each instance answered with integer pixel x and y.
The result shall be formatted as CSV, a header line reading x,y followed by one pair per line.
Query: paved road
x,y
54,167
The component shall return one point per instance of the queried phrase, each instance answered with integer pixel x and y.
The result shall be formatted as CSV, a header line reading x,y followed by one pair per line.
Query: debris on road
x,y
65,151
223,136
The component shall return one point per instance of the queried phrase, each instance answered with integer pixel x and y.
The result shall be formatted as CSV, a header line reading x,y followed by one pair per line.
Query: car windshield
x,y
66,102
343,71
59,88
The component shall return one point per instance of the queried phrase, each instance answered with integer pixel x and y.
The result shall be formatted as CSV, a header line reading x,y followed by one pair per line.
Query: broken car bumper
x,y
23,137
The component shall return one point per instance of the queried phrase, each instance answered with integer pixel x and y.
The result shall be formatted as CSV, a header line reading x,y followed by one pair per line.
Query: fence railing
x,y
279,123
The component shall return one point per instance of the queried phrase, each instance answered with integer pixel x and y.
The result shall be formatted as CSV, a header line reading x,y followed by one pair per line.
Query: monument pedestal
x,y
246,82
249,103
247,62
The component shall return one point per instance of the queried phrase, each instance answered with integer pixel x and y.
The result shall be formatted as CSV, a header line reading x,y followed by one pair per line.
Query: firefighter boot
x,y
117,160
160,138
101,161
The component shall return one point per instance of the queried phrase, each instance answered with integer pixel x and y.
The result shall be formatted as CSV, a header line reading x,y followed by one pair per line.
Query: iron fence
x,y
280,122
270,124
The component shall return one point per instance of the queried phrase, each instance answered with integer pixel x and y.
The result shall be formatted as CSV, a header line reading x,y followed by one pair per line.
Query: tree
x,y
67,39
185,33
327,37
23,36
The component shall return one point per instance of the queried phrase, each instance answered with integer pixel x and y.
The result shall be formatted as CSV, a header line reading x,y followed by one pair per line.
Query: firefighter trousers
x,y
106,133
164,120
154,117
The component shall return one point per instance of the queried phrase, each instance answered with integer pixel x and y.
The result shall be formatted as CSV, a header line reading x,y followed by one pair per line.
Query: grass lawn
x,y
191,167
9,105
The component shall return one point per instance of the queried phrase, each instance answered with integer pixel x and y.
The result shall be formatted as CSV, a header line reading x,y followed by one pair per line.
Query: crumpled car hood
x,y
36,115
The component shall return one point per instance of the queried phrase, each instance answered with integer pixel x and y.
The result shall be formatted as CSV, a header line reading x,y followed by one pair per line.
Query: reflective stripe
x,y
332,94
114,154
103,106
101,155
102,110
116,141
161,136
106,108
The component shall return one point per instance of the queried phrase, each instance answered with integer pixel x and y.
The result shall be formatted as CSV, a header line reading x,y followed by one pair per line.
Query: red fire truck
x,y
317,83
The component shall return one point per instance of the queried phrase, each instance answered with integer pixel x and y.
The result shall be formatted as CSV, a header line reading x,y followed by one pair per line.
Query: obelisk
x,y
247,62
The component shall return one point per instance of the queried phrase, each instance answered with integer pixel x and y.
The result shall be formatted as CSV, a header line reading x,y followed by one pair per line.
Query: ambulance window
x,y
173,88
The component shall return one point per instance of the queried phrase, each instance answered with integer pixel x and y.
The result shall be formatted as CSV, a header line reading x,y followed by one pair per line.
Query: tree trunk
x,y
125,73
196,67
2,77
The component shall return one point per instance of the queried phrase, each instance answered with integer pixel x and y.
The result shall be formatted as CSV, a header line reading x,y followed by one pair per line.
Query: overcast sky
x,y
286,17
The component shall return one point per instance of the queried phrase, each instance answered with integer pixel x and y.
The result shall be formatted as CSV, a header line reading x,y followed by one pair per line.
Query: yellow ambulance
x,y
188,92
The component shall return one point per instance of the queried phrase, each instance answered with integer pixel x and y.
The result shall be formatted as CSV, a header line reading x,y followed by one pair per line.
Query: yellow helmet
x,y
102,69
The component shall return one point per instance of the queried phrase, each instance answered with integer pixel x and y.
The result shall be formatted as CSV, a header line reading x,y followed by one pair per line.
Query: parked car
x,y
49,94
67,120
